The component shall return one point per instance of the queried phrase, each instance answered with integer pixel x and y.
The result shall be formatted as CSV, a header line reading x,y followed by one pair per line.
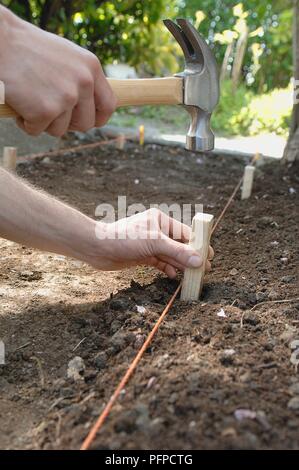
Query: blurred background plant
x,y
252,41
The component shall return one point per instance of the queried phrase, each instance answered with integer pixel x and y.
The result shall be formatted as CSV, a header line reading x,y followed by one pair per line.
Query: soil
x,y
201,368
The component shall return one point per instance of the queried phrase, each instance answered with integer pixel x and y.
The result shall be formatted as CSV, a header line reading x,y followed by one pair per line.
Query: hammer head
x,y
201,83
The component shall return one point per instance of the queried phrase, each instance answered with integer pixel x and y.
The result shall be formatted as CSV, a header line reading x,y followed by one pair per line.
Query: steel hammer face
x,y
200,82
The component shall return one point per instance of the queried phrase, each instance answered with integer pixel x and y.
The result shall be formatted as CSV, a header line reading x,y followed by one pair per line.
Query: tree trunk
x,y
224,69
292,149
49,10
239,57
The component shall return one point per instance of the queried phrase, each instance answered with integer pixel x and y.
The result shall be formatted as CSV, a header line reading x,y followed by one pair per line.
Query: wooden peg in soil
x,y
120,141
9,158
141,135
200,240
247,181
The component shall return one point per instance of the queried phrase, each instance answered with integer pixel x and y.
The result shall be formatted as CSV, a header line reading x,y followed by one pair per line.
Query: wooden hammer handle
x,y
131,92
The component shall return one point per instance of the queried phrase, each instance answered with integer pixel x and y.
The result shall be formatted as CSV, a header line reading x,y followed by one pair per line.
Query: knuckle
x,y
92,61
46,112
55,132
32,131
180,253
85,125
70,98
84,128
111,106
86,82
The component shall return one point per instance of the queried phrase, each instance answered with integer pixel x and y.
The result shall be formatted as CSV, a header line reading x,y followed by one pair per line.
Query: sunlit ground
x,y
270,145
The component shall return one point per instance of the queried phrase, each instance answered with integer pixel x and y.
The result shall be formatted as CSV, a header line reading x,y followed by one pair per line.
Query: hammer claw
x,y
181,39
192,37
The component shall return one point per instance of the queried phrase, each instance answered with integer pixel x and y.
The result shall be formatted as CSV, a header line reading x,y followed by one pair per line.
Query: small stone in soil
x,y
139,340
287,279
101,360
115,326
262,419
151,382
293,424
294,404
76,368
233,272
294,388
120,340
241,414
250,318
245,377
119,304
226,357
260,296
140,309
229,432
294,344
273,295
288,334
264,222
269,345
67,392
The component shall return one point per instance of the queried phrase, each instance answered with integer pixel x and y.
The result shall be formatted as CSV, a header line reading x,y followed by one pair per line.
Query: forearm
x,y
37,220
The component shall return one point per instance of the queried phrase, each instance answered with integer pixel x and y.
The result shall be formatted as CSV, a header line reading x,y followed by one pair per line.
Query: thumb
x,y
178,252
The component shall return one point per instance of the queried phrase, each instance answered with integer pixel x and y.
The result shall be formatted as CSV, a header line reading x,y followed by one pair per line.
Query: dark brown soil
x,y
201,368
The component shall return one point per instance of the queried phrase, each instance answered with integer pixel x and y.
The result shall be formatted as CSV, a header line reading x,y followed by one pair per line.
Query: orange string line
x,y
92,434
103,416
67,149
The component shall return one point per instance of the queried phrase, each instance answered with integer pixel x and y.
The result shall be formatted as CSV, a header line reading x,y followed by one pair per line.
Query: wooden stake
x,y
10,158
120,141
247,181
141,135
199,241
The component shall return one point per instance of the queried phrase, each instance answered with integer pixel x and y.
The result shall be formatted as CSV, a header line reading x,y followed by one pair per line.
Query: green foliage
x,y
244,113
272,20
131,31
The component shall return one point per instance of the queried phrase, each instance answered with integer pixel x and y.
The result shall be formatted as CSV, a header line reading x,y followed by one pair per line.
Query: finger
x,y
60,126
180,266
83,116
211,253
170,271
24,125
174,229
105,100
174,263
165,268
35,128
208,266
20,123
177,252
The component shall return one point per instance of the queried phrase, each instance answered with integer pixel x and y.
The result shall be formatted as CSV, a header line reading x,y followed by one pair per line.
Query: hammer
x,y
196,88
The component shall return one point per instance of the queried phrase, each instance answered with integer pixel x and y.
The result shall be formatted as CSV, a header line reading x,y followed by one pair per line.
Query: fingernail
x,y
194,261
